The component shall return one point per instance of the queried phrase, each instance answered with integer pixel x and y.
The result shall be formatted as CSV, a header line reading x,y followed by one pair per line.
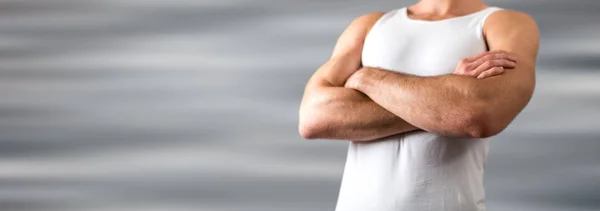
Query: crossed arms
x,y
344,100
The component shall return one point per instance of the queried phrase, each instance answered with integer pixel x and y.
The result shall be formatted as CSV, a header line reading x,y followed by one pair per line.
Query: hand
x,y
486,64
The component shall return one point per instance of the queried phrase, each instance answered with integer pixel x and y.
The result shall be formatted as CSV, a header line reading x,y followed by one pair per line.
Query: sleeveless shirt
x,y
418,171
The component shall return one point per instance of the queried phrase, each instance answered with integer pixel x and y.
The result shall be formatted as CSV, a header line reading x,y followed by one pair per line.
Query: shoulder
x,y
511,27
352,39
514,32
369,17
507,20
357,30
366,21
511,14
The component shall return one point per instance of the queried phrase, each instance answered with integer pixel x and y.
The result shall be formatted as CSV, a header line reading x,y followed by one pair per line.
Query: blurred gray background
x,y
192,105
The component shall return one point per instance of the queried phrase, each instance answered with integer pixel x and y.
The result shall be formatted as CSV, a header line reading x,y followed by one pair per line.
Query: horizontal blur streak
x,y
192,105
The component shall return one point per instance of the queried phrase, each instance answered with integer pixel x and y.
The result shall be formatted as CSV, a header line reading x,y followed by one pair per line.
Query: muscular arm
x,y
461,106
331,111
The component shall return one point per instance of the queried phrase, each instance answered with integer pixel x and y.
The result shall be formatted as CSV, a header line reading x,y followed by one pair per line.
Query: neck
x,y
443,7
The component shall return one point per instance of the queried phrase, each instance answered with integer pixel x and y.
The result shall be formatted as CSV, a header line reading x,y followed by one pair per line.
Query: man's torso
x,y
418,170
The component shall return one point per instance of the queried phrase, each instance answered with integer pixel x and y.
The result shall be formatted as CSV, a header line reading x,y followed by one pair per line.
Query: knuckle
x,y
495,71
459,70
488,63
468,67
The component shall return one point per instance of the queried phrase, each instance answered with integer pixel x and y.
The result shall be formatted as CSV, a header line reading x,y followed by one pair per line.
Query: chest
x,y
421,49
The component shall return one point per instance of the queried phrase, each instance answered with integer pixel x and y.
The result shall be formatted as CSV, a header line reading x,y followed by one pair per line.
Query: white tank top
x,y
418,171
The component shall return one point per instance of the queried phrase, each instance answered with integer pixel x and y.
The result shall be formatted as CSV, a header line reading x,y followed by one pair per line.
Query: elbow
x,y
480,124
311,127
475,119
312,130
478,131
308,131
314,123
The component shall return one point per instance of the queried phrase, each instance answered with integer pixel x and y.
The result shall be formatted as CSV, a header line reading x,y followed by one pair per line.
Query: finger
x,y
494,71
482,54
493,63
497,56
504,55
492,56
477,56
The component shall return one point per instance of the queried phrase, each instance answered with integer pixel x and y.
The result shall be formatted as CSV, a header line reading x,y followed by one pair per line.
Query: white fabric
x,y
418,171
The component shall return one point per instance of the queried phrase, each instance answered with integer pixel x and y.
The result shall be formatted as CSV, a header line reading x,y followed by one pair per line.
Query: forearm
x,y
346,114
449,105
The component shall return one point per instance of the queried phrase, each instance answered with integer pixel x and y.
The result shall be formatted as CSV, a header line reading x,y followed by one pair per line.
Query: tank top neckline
x,y
404,13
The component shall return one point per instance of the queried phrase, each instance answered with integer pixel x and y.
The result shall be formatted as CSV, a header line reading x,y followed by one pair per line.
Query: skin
x,y
455,105
344,100
331,111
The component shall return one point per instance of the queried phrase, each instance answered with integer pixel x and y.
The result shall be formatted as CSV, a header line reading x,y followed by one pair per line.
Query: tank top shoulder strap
x,y
481,16
386,17
488,11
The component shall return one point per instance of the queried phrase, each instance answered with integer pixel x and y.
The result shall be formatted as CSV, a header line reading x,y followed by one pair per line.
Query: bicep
x,y
516,33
